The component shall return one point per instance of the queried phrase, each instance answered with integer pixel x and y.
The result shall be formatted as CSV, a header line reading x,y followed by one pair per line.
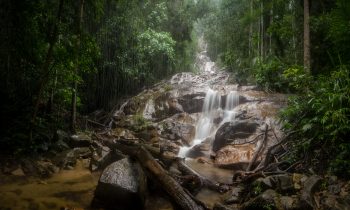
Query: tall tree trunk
x,y
251,30
259,37
262,30
270,35
294,31
52,95
77,57
307,54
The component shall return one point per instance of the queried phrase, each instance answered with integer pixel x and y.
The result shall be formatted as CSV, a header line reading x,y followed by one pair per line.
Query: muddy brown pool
x,y
67,189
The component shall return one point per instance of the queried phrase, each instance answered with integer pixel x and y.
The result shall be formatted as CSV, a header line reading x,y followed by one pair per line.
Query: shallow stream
x,y
71,189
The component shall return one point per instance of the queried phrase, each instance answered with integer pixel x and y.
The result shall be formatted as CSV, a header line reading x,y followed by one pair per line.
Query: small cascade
x,y
205,125
209,67
232,100
212,103
149,109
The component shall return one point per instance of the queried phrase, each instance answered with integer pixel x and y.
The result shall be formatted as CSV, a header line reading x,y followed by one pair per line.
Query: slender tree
x,y
307,54
262,31
250,46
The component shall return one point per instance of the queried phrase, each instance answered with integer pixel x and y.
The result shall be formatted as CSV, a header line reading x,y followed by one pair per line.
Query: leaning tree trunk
x,y
307,54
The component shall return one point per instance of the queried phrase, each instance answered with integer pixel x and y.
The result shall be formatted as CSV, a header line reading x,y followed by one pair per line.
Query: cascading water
x,y
211,109
232,100
205,125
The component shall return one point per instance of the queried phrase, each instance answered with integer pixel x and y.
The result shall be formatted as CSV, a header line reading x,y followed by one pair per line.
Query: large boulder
x,y
102,156
175,130
122,133
121,186
185,132
239,100
148,133
235,195
308,191
229,132
199,150
67,159
333,202
169,147
235,156
192,103
280,182
174,106
80,139
161,106
40,168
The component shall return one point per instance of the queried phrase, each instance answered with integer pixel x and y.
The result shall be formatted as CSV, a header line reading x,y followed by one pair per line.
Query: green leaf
x,y
307,127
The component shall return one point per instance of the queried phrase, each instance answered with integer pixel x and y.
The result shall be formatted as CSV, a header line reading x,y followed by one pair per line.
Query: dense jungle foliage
x,y
61,58
261,42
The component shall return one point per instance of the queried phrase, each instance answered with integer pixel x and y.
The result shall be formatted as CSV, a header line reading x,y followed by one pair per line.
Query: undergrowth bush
x,y
269,75
320,115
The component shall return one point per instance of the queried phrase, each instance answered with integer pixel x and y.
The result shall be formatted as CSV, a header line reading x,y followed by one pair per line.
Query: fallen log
x,y
113,144
95,123
156,172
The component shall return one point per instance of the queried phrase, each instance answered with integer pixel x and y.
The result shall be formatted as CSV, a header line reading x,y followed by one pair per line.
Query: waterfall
x,y
232,100
212,103
211,109
205,124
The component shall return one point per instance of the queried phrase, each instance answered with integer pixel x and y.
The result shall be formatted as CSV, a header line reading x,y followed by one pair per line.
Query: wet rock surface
x,y
281,183
80,140
307,193
235,157
272,200
122,185
231,132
